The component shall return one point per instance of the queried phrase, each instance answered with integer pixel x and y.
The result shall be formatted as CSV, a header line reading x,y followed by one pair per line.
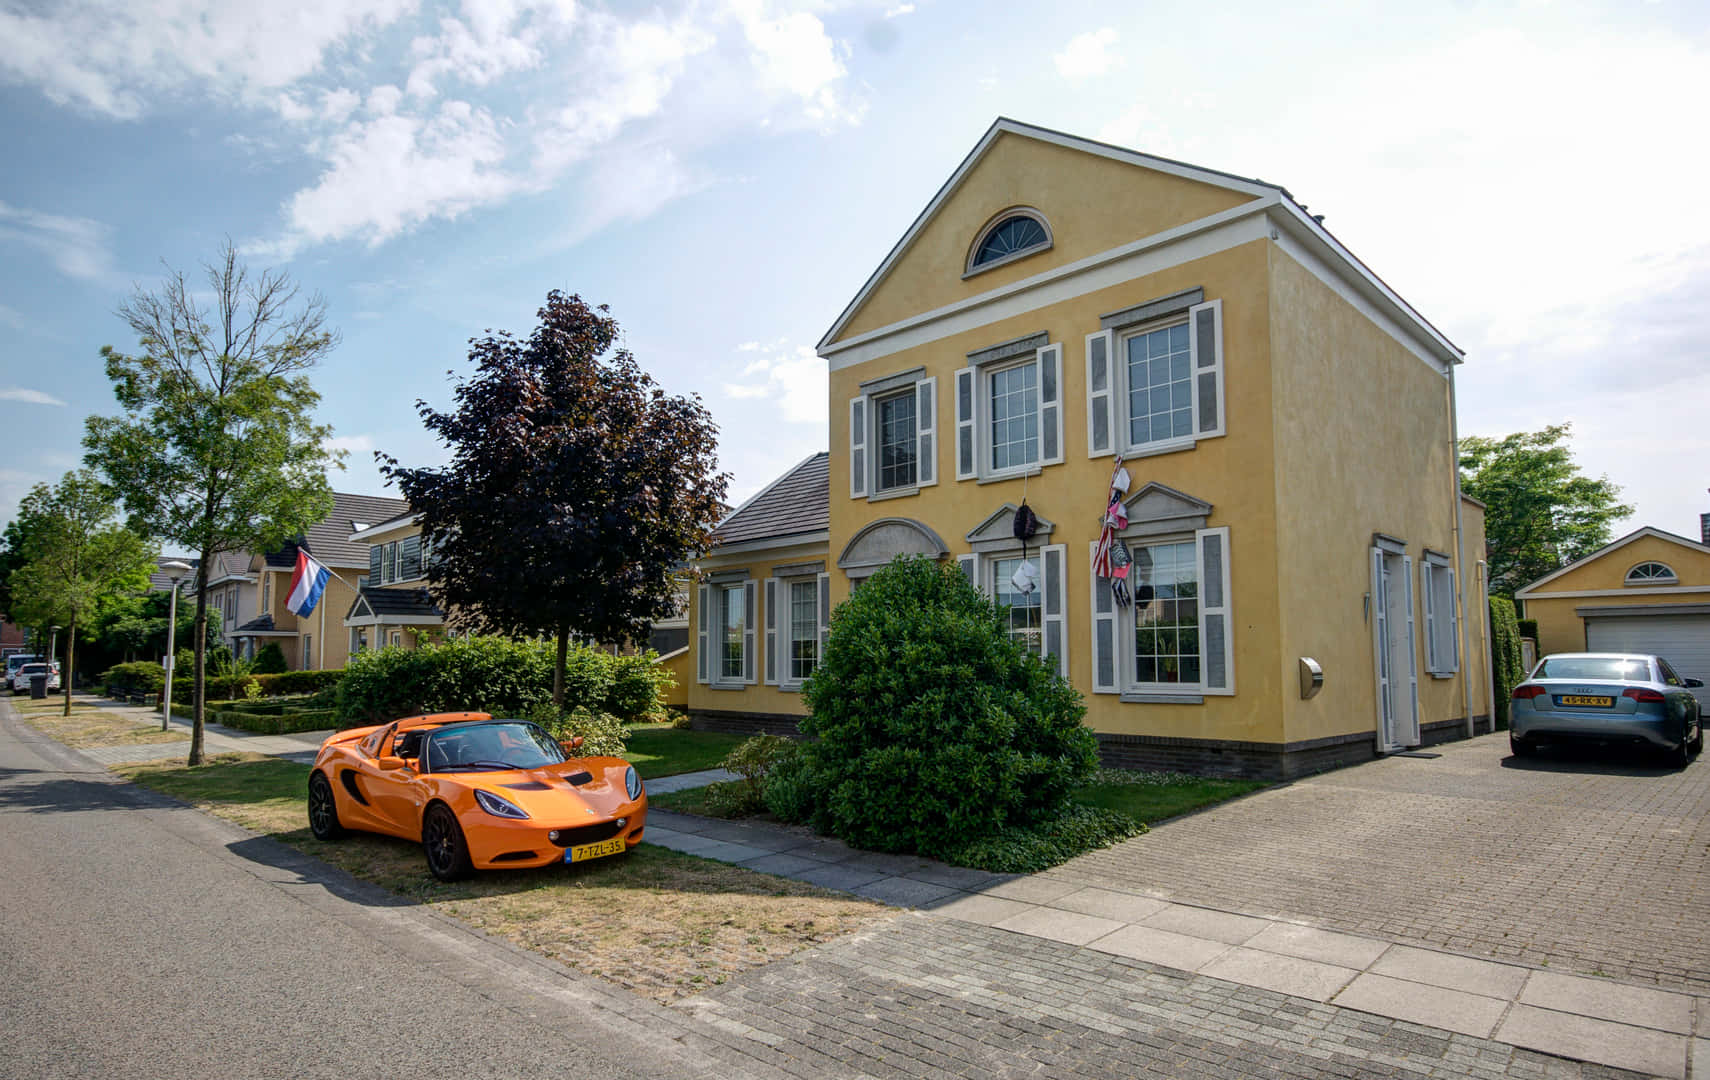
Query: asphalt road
x,y
139,938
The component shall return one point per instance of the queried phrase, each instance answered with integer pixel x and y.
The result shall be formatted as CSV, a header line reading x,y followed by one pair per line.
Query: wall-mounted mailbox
x,y
1311,678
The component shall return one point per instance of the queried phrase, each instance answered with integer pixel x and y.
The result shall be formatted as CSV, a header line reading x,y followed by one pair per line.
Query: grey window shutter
x,y
857,447
1051,405
1409,712
1454,651
1205,345
410,558
1100,398
1433,636
926,428
965,465
1216,647
970,565
1055,558
1104,634
772,632
374,555
824,614
750,599
703,661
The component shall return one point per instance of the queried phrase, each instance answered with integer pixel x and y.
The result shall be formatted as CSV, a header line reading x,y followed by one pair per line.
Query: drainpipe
x,y
1489,676
1461,558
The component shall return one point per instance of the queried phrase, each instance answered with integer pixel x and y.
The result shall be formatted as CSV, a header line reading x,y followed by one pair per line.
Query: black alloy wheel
x,y
323,810
442,841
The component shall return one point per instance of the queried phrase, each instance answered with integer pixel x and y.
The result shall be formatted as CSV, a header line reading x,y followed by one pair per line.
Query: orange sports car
x,y
478,793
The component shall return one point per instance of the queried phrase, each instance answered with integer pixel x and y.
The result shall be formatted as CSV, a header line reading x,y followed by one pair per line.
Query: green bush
x,y
639,684
136,677
753,760
934,729
270,660
790,790
1506,664
245,716
1529,628
603,735
1028,849
235,686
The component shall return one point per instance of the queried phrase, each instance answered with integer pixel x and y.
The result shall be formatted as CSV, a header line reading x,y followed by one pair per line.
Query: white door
x,y
1394,653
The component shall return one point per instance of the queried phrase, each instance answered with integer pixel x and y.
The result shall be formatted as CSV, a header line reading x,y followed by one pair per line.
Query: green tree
x,y
77,557
1542,512
270,660
575,485
217,449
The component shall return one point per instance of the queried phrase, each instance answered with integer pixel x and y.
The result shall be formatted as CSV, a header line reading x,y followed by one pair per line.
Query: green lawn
x,y
662,750
1152,797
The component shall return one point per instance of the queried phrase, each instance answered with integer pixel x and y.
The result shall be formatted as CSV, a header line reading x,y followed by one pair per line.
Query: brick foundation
x,y
1257,760
745,723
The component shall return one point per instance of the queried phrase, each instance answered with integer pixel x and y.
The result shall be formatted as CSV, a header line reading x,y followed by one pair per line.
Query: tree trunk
x,y
558,668
199,700
70,663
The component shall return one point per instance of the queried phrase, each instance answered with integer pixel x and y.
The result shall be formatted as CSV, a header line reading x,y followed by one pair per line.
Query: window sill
x,y
726,686
1017,474
894,493
1442,674
1137,697
1156,449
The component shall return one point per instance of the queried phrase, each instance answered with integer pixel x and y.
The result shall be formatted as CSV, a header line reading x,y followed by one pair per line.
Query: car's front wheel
x,y
323,809
442,840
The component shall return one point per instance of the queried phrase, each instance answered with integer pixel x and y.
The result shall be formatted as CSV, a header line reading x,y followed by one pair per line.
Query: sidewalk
x,y
1596,1020
216,738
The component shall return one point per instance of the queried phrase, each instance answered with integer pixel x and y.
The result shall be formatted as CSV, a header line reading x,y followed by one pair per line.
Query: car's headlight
x,y
499,807
632,783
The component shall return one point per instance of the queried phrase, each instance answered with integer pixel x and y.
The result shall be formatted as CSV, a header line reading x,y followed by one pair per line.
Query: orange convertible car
x,y
478,793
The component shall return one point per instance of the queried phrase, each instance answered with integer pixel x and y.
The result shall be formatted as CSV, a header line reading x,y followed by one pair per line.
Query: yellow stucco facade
x,y
736,694
1601,581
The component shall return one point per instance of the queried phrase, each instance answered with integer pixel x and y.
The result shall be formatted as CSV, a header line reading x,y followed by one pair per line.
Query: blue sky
x,y
725,174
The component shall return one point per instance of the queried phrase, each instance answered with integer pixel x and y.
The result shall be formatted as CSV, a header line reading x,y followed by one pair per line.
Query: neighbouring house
x,y
1285,419
318,640
394,606
1647,592
233,594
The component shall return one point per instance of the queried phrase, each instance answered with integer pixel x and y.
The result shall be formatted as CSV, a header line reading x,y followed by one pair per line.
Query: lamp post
x,y
174,571
53,643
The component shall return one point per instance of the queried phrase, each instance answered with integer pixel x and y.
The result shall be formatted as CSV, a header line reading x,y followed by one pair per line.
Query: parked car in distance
x,y
1628,699
476,793
21,680
18,660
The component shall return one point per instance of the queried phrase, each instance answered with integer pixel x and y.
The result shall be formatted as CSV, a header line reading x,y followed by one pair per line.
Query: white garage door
x,y
1682,640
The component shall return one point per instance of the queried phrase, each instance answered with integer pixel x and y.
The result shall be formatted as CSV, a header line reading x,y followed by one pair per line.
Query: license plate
x,y
584,852
1583,699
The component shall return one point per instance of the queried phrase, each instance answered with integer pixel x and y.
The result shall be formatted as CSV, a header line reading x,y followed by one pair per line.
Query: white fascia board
x,y
1255,188
1655,590
770,543
785,475
374,532
1172,247
396,620
1531,590
1314,237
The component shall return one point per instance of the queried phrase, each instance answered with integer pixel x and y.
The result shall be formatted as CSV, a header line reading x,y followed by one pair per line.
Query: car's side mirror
x,y
391,763
572,744
1693,684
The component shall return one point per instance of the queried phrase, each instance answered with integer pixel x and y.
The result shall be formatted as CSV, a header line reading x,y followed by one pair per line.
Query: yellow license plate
x,y
1582,699
614,846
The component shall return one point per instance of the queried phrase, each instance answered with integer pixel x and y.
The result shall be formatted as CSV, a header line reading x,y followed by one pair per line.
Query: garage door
x,y
1682,640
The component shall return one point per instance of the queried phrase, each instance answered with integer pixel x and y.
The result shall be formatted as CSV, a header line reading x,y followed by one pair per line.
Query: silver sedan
x,y
1615,698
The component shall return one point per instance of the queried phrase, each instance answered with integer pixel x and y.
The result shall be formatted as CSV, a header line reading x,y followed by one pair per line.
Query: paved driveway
x,y
1578,863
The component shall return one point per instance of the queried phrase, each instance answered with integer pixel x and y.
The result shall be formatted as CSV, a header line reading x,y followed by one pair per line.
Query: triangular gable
x,y
1001,526
1243,187
1615,545
1156,509
360,608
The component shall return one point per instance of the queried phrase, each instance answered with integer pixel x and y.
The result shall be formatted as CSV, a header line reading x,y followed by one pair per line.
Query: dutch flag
x,y
308,581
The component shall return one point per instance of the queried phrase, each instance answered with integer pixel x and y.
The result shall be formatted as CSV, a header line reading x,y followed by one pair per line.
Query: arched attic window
x,y
1009,236
1651,573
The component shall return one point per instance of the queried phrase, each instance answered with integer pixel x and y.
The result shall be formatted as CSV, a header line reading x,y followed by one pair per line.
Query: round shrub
x,y
789,790
603,735
934,728
270,660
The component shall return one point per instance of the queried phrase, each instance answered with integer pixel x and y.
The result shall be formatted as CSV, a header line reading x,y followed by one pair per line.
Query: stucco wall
x,y
1091,202
1363,446
1561,630
758,698
1233,472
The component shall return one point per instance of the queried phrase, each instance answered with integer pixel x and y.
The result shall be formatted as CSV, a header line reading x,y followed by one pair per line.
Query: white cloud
x,y
899,10
1087,55
32,397
77,246
794,377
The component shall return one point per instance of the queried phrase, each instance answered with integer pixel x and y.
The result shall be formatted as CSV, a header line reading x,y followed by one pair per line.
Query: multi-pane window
x,y
1650,573
804,629
389,563
1012,236
730,633
1165,583
1022,611
898,445
1015,417
1160,386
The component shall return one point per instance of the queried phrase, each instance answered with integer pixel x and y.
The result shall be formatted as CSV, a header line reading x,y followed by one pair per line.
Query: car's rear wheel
x,y
323,809
1698,740
442,840
1522,747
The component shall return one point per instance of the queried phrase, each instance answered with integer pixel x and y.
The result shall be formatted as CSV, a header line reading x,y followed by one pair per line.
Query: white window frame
x,y
778,628
389,563
1122,630
1113,400
710,635
988,567
864,466
1053,616
1127,633
1629,580
1047,362
1442,620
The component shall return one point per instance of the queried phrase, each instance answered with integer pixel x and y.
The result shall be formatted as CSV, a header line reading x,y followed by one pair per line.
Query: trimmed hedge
x,y
1505,664
231,687
1529,628
136,677
242,715
500,676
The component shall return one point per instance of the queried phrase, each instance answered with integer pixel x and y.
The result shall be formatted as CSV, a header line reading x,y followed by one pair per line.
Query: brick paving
x,y
928,997
1573,862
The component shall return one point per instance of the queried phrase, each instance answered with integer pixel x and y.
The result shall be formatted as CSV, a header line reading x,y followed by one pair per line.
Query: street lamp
x,y
174,571
53,643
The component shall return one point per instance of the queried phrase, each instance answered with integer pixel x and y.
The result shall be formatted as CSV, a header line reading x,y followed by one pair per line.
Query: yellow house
x,y
1303,587
317,641
1647,592
394,606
